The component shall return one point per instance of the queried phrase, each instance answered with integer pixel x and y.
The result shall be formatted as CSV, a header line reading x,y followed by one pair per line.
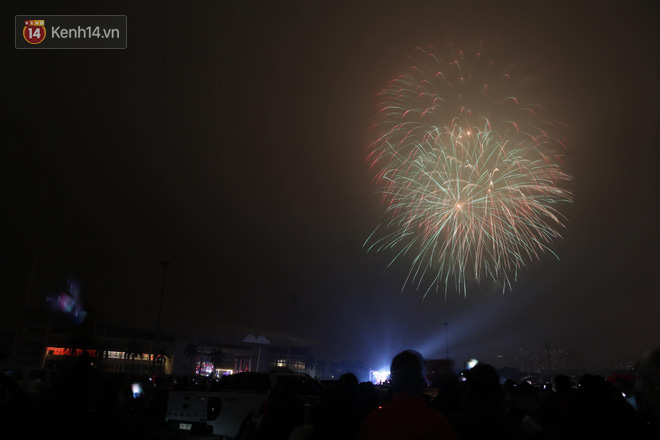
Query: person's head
x,y
348,384
484,383
561,384
592,385
407,372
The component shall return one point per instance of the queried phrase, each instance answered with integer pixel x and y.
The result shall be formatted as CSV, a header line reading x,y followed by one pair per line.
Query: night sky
x,y
229,138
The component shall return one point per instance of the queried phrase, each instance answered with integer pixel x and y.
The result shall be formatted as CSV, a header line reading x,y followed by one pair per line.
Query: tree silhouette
x,y
160,358
216,358
133,351
190,351
101,349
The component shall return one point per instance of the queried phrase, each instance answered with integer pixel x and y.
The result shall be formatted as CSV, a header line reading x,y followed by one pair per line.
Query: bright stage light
x,y
380,376
471,363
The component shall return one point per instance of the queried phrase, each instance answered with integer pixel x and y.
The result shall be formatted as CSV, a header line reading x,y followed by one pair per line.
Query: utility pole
x,y
160,315
23,309
446,324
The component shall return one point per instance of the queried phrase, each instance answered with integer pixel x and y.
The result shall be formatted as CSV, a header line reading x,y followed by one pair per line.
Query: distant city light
x,y
223,372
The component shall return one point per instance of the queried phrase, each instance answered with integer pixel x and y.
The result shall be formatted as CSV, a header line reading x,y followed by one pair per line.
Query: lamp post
x,y
160,315
446,324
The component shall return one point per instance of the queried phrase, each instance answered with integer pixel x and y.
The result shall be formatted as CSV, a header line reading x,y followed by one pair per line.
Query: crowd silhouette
x,y
476,404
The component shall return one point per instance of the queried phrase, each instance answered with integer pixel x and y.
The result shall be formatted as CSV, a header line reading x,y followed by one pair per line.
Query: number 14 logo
x,y
34,31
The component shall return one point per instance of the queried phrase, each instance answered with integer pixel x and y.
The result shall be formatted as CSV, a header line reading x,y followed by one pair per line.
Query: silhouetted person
x,y
109,419
14,406
339,413
282,412
648,373
448,399
482,415
72,397
369,399
556,408
407,415
524,405
598,410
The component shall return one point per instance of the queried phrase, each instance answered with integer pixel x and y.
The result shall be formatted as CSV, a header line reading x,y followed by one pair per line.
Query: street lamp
x,y
160,315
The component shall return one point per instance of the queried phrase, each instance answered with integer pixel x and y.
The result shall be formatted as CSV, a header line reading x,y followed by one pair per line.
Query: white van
x,y
228,408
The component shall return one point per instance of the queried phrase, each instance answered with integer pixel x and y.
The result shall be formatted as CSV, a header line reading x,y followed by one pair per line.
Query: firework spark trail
x,y
469,172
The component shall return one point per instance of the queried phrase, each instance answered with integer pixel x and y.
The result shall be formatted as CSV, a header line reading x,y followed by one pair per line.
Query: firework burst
x,y
469,170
